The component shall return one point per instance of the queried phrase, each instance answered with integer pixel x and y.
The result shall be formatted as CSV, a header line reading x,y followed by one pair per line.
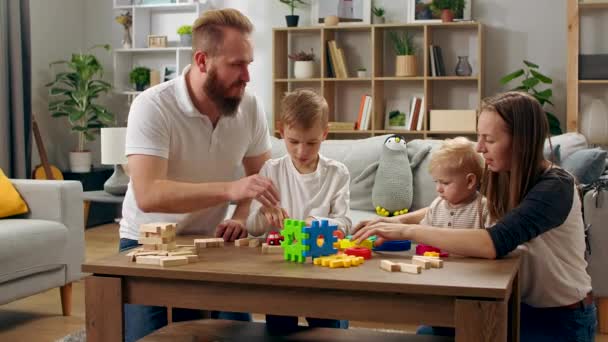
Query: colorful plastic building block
x,y
274,238
431,254
421,249
393,246
347,243
314,232
338,260
294,243
366,253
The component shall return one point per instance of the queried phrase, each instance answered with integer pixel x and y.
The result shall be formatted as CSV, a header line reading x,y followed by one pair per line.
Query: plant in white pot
x,y
448,9
378,15
304,64
185,35
405,62
74,92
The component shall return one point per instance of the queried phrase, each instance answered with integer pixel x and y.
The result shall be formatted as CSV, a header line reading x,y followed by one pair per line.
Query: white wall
x,y
513,32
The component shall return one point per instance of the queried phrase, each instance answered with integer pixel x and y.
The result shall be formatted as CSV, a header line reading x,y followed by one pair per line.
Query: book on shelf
x,y
330,69
367,113
415,113
360,115
432,59
420,122
341,126
437,67
440,64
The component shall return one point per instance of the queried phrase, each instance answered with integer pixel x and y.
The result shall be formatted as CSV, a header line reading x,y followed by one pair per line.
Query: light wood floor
x,y
38,317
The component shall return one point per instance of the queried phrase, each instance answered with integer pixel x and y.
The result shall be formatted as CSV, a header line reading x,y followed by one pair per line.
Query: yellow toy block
x,y
336,263
431,254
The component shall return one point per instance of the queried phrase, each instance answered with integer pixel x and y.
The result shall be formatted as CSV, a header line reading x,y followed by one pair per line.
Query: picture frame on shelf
x,y
157,41
349,12
395,117
155,2
168,72
419,11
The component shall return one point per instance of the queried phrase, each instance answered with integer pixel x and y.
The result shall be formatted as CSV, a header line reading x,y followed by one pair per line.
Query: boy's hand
x,y
367,223
231,230
274,216
254,186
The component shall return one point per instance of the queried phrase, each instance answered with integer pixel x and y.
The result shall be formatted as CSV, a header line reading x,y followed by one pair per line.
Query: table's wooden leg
x,y
478,320
602,313
514,311
66,299
104,309
87,206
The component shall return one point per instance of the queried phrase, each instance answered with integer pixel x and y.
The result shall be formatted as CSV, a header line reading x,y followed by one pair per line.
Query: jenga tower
x,y
157,236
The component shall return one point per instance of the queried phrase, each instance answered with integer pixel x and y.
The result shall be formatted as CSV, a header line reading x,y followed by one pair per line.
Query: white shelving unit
x,y
153,19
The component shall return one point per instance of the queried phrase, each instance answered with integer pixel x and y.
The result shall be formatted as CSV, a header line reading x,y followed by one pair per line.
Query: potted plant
x,y
76,91
448,9
185,35
292,20
378,15
140,76
530,79
405,63
303,66
361,72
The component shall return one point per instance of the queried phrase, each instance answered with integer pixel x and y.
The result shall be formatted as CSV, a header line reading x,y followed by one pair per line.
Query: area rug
x,y
77,336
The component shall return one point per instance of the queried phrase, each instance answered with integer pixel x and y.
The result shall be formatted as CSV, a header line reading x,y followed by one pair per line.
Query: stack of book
x,y
416,117
365,113
336,65
436,61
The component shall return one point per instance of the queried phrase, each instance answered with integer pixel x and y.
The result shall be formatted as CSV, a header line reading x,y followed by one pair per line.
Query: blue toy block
x,y
314,231
393,246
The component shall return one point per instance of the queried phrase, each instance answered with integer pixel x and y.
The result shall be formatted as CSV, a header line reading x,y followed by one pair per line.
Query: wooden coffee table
x,y
480,298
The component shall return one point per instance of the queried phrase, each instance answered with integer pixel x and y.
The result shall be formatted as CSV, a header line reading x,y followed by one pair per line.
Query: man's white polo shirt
x,y
163,122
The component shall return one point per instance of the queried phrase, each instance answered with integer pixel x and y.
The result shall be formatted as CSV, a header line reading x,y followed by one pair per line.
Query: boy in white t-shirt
x,y
456,169
311,187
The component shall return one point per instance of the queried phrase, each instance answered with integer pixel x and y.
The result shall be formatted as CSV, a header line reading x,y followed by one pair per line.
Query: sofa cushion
x,y
30,246
12,204
586,165
568,144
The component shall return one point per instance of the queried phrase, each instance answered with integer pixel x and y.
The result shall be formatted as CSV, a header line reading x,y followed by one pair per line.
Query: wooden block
x,y
254,242
409,268
156,227
154,240
389,266
167,247
150,247
435,262
148,259
179,253
241,242
192,258
424,263
269,249
173,261
186,246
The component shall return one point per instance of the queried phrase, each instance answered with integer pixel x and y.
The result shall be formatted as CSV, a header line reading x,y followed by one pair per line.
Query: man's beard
x,y
227,106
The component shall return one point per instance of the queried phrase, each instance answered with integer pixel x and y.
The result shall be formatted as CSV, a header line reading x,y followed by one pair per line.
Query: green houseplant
x,y
404,48
140,76
303,66
292,20
448,9
378,13
75,92
531,78
185,35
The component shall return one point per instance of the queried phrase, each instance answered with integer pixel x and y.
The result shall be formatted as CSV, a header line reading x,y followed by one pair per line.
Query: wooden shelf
x,y
368,46
171,49
592,5
451,132
593,82
171,7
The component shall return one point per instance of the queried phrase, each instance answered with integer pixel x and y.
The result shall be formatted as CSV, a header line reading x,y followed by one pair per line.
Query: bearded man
x,y
186,141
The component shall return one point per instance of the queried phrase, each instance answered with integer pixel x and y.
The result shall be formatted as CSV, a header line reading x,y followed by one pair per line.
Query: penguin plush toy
x,y
393,190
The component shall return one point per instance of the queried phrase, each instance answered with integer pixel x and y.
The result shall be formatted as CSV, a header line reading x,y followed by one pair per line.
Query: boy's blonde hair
x,y
458,155
207,34
303,108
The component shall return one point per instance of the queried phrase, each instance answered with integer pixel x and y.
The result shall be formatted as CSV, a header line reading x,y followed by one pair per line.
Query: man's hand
x,y
231,230
254,186
274,216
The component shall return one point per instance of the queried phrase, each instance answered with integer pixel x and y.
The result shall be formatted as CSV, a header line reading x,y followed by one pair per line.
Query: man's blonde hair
x,y
207,33
304,108
458,155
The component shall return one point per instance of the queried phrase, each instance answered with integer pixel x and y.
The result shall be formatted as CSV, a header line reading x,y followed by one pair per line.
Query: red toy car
x,y
274,238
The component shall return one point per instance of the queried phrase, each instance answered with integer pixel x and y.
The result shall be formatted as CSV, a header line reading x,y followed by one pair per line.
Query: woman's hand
x,y
383,231
366,223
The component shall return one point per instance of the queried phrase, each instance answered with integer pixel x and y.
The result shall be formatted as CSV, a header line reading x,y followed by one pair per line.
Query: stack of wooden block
x,y
416,266
159,247
207,243
244,242
157,236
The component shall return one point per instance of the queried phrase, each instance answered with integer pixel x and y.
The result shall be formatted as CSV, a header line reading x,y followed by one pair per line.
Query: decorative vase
x,y
80,162
303,69
117,184
331,20
140,86
594,122
361,73
127,43
405,66
463,67
185,39
447,15
378,20
292,20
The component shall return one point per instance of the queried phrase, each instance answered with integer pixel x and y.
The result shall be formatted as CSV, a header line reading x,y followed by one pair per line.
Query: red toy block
x,y
359,251
338,234
421,249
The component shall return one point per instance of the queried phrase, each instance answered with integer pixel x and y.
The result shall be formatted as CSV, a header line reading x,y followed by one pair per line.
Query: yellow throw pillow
x,y
12,203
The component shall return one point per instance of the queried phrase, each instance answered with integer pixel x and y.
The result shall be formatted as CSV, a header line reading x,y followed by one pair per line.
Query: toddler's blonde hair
x,y
458,155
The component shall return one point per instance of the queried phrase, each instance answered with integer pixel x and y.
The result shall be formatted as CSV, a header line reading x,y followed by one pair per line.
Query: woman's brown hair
x,y
527,123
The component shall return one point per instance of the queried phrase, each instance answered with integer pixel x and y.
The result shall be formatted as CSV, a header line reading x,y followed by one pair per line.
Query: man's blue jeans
x,y
141,320
540,325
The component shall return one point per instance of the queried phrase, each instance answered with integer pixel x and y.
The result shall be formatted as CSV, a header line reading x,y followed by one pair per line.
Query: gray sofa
x,y
43,249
